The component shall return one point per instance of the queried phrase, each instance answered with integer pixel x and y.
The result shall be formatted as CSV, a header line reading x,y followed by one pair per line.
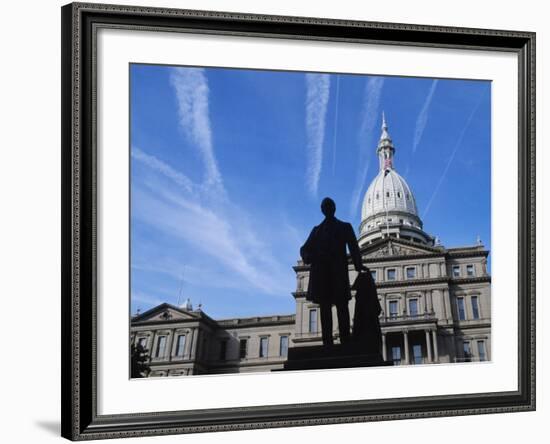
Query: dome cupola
x,y
389,207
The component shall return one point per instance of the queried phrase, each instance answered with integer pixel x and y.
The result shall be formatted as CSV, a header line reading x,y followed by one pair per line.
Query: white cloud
x,y
370,116
422,118
162,167
334,138
210,232
191,86
201,215
219,229
184,272
317,95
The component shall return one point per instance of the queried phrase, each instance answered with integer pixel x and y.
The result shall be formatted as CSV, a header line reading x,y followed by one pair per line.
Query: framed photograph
x,y
278,221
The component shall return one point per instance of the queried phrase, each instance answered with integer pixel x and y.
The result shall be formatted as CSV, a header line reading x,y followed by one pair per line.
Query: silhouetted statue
x,y
366,323
325,252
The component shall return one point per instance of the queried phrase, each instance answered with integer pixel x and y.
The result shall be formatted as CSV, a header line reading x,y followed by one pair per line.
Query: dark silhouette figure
x,y
366,323
325,252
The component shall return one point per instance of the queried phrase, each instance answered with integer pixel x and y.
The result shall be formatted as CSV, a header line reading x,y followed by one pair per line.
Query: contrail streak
x,y
450,161
335,125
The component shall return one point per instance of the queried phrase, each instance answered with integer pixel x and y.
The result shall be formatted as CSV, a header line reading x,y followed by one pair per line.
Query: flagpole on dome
x,y
386,170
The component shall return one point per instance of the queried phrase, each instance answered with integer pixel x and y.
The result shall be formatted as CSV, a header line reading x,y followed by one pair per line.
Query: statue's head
x,y
328,207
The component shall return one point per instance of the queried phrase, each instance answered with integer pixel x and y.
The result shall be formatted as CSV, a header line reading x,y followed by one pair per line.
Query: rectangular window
x,y
373,274
413,307
283,346
417,354
470,270
481,350
263,347
396,355
456,270
243,348
411,272
223,350
313,320
161,345
467,352
393,309
180,345
391,274
142,342
460,308
475,307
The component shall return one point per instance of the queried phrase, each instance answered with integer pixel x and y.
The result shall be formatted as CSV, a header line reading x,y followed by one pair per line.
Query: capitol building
x,y
436,300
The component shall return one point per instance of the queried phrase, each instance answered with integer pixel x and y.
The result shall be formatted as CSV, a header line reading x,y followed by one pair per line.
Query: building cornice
x,y
469,280
465,252
430,253
169,323
257,321
419,282
392,258
260,321
392,212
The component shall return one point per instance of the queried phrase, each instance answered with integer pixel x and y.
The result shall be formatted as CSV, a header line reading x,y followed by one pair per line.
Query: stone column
x,y
170,344
153,345
148,343
188,344
298,322
436,353
447,304
406,346
428,345
425,300
429,301
384,351
194,345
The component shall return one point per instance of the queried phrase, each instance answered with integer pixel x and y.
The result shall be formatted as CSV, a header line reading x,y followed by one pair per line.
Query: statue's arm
x,y
306,251
353,247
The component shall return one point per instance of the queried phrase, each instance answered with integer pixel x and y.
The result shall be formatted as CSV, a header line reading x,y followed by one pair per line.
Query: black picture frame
x,y
80,420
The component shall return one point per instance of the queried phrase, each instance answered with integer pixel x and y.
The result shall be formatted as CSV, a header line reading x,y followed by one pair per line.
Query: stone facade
x,y
182,341
436,302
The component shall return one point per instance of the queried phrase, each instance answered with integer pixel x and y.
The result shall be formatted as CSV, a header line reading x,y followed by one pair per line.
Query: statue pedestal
x,y
320,357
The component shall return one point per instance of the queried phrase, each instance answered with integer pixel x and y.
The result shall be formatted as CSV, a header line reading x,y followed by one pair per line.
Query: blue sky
x,y
228,168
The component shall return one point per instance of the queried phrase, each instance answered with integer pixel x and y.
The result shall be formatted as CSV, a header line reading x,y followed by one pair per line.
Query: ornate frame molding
x,y
80,420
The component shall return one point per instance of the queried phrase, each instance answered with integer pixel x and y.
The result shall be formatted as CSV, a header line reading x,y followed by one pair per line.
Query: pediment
x,y
163,313
395,247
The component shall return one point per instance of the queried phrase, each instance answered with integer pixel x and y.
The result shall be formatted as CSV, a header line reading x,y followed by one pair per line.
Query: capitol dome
x,y
389,207
390,190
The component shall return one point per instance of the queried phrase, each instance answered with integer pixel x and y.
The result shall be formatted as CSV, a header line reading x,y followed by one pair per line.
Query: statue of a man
x,y
325,252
